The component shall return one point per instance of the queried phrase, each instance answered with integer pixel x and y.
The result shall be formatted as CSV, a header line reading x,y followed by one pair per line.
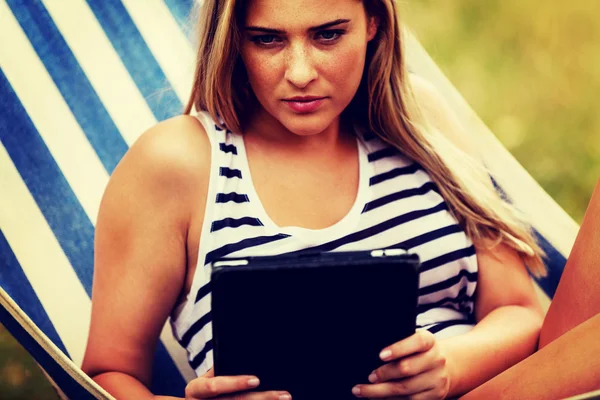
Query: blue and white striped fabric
x,y
79,81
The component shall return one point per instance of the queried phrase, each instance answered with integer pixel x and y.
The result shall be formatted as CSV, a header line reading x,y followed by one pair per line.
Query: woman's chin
x,y
306,124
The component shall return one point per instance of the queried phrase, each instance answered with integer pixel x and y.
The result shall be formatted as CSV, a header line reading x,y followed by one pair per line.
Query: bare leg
x,y
567,362
578,295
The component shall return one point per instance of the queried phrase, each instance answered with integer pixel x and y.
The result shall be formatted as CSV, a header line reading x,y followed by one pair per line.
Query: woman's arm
x,y
509,321
567,362
140,252
566,367
508,314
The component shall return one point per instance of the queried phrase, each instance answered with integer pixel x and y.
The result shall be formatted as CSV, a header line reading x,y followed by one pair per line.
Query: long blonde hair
x,y
384,104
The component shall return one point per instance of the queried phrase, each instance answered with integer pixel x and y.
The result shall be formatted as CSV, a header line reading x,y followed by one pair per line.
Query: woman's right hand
x,y
208,386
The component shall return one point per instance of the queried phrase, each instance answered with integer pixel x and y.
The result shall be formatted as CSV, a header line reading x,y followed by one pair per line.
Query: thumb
x,y
209,374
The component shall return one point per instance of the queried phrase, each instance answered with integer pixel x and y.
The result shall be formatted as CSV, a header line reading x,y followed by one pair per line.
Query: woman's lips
x,y
304,106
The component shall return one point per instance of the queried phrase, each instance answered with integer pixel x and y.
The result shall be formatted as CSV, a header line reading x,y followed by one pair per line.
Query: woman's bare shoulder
x,y
165,171
175,149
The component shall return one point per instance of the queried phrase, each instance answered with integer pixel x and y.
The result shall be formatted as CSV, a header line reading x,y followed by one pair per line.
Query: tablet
x,y
311,324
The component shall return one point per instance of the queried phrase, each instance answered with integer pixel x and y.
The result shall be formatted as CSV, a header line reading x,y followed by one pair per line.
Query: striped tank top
x,y
397,206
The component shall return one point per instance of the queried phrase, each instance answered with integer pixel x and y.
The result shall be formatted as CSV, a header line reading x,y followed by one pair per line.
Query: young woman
x,y
310,135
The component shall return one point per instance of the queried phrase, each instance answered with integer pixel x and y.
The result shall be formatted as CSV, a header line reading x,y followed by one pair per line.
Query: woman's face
x,y
305,58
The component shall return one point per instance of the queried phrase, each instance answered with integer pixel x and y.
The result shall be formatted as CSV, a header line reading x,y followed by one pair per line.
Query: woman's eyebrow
x,y
314,28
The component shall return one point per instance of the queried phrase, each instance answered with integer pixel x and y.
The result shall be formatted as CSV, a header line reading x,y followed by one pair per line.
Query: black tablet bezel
x,y
243,273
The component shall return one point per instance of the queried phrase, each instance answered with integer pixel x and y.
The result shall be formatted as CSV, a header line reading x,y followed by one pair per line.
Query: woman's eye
x,y
266,40
329,36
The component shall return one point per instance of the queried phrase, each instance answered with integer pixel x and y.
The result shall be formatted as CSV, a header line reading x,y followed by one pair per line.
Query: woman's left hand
x,y
416,369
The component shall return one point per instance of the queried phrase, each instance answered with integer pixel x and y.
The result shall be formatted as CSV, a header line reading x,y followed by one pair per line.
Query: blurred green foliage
x,y
529,69
20,377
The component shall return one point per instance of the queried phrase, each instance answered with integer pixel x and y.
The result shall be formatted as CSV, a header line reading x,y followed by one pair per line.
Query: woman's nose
x,y
300,70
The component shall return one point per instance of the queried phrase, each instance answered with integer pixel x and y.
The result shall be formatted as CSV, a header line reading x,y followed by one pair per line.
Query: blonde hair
x,y
385,105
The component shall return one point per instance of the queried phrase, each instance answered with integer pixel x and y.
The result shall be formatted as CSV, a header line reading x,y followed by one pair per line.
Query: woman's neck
x,y
267,132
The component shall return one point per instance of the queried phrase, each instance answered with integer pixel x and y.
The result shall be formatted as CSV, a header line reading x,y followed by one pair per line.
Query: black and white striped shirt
x,y
397,206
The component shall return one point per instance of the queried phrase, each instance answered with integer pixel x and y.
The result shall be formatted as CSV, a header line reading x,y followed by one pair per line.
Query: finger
x,y
273,395
421,341
404,387
211,387
408,366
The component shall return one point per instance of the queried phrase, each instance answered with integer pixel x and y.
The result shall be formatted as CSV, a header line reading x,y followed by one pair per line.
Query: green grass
x,y
20,377
530,70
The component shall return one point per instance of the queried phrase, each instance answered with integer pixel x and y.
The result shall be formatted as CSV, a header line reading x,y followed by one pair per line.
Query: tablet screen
x,y
313,325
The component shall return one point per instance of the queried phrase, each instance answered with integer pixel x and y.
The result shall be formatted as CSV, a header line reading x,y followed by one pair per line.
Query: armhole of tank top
x,y
203,243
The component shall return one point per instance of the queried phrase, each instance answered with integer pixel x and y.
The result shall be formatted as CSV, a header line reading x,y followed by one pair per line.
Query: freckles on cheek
x,y
262,70
347,66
